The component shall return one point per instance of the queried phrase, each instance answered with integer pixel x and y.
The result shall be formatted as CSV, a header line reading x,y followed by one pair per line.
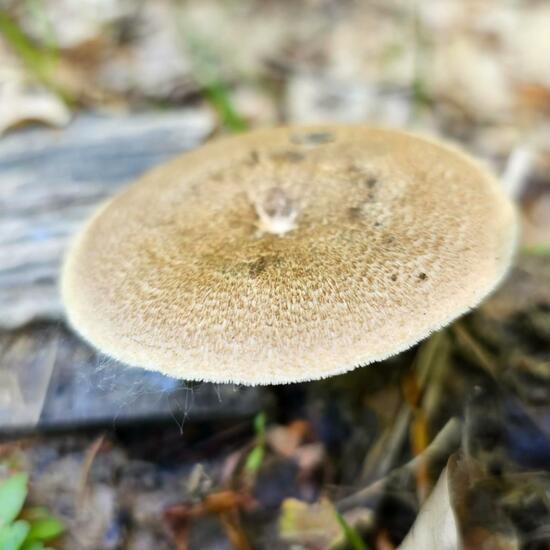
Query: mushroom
x,y
289,254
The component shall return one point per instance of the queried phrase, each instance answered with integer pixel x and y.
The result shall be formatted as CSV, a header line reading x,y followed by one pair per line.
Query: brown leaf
x,y
225,504
225,501
178,521
284,440
383,541
492,532
234,531
419,443
445,521
534,97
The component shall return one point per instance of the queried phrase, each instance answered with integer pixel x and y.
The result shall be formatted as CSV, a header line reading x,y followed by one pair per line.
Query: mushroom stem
x,y
276,212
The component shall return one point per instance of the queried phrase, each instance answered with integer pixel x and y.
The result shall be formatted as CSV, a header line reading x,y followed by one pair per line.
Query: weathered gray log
x,y
50,181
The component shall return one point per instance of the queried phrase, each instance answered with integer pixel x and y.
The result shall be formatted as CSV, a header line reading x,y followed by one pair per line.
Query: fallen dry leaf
x,y
493,531
225,504
284,440
445,522
435,527
233,528
179,525
314,524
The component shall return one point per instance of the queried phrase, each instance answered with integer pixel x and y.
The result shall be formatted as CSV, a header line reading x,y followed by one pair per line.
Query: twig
x,y
444,443
382,457
89,458
483,358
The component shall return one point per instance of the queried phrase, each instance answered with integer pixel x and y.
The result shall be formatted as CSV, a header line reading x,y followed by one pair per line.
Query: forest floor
x,y
452,436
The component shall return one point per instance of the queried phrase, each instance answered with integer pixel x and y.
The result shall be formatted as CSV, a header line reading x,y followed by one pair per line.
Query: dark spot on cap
x,y
360,176
377,224
288,156
355,213
313,138
394,277
257,267
422,276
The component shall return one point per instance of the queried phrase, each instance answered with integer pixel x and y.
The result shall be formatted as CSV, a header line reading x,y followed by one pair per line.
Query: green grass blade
x,y
37,60
206,71
350,534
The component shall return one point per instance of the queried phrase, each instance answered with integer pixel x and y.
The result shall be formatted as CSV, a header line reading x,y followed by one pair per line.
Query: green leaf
x,y
13,536
256,455
38,61
220,99
13,493
259,424
45,529
351,535
33,545
255,459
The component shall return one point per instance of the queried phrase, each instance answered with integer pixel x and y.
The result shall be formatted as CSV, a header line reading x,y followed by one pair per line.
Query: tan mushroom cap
x,y
289,254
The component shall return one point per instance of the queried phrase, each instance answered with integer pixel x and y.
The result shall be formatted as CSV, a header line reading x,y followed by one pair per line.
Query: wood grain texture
x,y
50,181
